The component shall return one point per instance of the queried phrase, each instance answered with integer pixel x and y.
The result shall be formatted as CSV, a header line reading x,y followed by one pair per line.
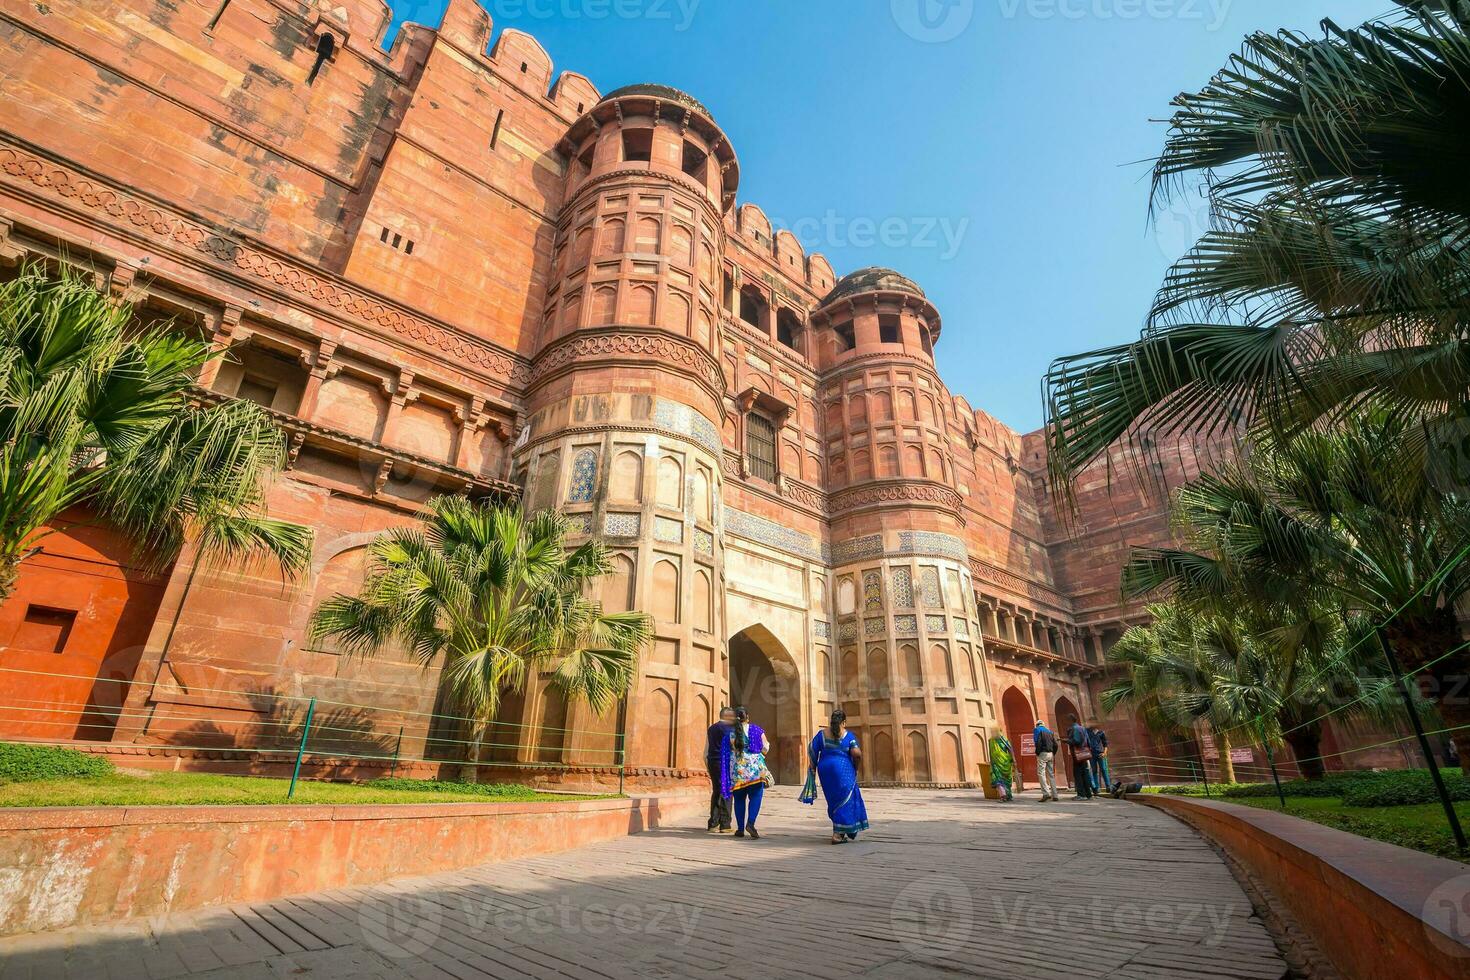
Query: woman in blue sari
x,y
835,756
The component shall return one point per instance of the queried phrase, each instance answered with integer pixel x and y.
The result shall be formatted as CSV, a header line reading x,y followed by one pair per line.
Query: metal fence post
x,y
301,749
396,746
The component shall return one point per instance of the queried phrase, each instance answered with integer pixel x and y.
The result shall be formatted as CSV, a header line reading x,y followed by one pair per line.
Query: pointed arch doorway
x,y
1019,724
765,679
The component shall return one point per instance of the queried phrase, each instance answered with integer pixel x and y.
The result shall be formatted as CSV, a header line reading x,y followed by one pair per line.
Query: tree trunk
x,y
1227,764
9,572
1306,745
1418,642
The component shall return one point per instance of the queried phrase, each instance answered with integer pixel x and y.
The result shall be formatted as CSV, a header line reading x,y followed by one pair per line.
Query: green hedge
x,y
1405,789
27,763
1400,787
490,790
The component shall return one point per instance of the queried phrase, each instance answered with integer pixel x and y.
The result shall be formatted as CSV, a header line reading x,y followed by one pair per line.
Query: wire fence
x,y
320,737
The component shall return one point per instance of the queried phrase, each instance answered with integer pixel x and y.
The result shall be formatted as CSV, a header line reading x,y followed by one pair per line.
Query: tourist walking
x,y
1002,765
717,762
1047,747
1081,755
750,776
1097,741
834,755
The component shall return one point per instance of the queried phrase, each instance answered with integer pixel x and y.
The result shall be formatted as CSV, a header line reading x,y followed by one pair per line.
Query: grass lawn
x,y
182,788
1421,826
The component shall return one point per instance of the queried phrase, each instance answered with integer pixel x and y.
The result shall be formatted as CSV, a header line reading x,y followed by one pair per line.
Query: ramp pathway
x,y
945,884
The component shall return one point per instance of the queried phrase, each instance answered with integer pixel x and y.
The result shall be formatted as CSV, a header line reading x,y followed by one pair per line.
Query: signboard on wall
x,y
1207,744
1028,744
1242,755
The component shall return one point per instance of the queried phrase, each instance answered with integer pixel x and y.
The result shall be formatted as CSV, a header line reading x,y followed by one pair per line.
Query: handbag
x,y
809,790
1081,753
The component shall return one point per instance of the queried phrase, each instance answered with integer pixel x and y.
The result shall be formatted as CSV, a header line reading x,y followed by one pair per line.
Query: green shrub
x,y
27,763
491,790
1404,788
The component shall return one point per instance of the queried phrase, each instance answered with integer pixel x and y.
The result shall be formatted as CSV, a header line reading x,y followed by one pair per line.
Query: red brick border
x,y
1374,909
68,866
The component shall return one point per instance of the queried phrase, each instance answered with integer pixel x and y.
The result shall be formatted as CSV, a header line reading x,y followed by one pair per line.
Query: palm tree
x,y
1337,271
1171,675
96,411
1249,680
494,597
1347,519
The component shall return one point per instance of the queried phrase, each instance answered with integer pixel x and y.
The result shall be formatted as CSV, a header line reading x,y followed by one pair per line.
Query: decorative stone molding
x,y
994,575
803,493
145,218
898,491
626,343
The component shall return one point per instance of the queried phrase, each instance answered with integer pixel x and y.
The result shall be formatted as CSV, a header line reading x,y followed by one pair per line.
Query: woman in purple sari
x,y
835,756
750,777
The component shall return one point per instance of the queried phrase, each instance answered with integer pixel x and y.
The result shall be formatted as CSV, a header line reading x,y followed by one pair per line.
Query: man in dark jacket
x,y
717,764
1097,740
1077,744
1045,742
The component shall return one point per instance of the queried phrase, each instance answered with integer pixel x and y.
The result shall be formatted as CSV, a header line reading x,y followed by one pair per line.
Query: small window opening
x,y
760,447
889,329
752,307
581,108
385,235
524,67
220,12
45,629
495,133
397,240
729,288
696,162
786,329
257,390
638,145
326,46
846,338
408,248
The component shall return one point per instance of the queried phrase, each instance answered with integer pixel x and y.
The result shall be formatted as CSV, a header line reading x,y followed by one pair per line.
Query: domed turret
x,y
875,311
873,279
658,128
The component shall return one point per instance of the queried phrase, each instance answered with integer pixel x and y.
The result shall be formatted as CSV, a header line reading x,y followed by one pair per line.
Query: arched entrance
x,y
764,678
1066,713
1019,723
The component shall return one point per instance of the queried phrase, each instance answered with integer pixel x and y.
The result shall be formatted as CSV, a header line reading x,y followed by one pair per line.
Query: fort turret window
x,y
760,447
889,330
846,337
326,47
495,133
924,339
752,306
696,162
787,329
638,145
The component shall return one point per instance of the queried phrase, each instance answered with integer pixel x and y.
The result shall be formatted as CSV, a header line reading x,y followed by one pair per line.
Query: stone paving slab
x,y
945,884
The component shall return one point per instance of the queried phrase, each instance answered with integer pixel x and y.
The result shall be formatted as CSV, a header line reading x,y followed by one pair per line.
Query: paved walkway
x,y
946,884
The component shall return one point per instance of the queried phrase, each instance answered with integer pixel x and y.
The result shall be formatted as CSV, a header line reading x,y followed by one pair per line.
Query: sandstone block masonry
x,y
449,269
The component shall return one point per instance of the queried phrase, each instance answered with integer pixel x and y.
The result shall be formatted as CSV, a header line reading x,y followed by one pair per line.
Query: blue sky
x,y
993,150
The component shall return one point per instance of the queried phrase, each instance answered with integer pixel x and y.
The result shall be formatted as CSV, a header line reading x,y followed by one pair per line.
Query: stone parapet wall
x,y
70,866
1374,909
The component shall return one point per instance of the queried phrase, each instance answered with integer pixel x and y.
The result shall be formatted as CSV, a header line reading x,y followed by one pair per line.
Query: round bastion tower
x,y
624,413
911,669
